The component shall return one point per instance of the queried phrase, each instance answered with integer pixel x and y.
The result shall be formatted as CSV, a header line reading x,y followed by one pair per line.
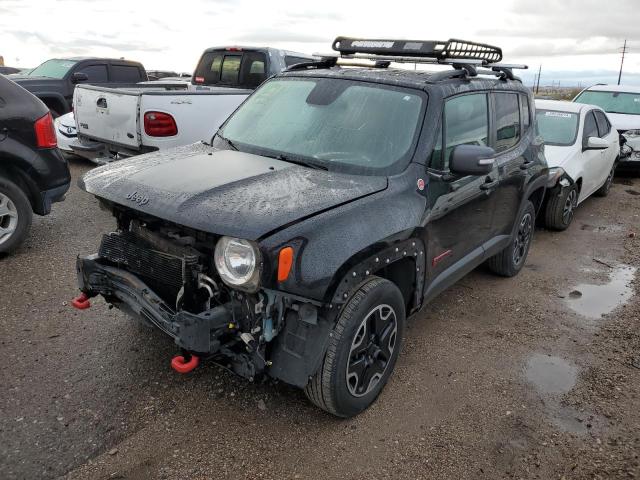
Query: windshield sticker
x,y
557,114
68,64
637,99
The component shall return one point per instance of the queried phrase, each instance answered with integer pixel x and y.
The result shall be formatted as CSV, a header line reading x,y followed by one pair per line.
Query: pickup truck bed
x,y
111,121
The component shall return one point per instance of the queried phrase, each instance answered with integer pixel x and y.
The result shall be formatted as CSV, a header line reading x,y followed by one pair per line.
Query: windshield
x,y
53,68
339,124
612,102
557,128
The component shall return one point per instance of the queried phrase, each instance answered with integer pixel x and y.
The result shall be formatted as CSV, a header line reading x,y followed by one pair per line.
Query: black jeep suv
x,y
330,206
33,173
53,81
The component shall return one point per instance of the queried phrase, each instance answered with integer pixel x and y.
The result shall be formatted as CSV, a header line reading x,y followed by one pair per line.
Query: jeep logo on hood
x,y
139,199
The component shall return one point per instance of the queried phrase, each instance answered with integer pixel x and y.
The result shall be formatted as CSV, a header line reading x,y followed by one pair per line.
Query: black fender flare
x,y
58,97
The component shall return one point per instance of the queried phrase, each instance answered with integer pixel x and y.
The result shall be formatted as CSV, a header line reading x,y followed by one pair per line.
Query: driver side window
x,y
590,128
466,122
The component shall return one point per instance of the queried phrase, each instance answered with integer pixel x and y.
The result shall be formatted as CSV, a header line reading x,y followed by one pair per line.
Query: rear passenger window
x,y
507,121
590,128
604,127
254,70
466,122
95,73
125,73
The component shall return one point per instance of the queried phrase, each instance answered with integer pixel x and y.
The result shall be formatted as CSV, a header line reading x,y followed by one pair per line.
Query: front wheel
x,y
510,261
362,351
559,211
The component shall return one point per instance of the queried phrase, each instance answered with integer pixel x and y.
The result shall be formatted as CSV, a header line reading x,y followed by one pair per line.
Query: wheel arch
x,y
55,102
401,262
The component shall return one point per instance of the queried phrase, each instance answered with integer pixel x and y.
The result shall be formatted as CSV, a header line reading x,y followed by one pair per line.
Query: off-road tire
x,y
504,263
554,212
603,191
328,388
25,215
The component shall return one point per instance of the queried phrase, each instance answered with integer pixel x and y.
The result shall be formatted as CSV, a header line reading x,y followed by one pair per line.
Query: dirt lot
x,y
532,377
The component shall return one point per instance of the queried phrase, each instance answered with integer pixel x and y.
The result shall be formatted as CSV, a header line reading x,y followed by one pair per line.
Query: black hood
x,y
225,192
35,83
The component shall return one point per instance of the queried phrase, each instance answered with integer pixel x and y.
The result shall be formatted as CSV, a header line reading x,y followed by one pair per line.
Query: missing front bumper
x,y
199,333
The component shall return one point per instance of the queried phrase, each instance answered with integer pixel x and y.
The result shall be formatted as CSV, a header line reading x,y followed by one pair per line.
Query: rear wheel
x,y
603,191
362,352
559,211
15,216
511,260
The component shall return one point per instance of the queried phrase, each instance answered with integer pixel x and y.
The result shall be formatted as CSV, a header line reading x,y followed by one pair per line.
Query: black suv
x,y
330,206
54,80
33,173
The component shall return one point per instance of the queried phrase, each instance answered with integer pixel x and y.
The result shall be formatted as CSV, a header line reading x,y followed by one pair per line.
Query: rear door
x,y
610,135
592,159
508,111
107,115
461,207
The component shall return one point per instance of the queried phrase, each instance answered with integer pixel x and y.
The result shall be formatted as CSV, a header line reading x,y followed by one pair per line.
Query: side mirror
x,y
471,160
596,143
79,77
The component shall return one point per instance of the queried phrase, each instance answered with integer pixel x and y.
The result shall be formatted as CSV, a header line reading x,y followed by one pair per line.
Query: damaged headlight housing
x,y
237,262
554,175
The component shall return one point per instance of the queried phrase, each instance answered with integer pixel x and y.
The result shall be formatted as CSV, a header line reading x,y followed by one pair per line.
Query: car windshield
x,y
336,124
557,128
612,102
55,68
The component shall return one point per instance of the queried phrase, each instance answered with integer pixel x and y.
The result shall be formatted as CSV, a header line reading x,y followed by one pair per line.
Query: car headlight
x,y
554,175
237,263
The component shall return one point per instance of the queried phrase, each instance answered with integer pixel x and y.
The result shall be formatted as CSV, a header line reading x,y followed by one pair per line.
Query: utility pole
x,y
538,81
624,50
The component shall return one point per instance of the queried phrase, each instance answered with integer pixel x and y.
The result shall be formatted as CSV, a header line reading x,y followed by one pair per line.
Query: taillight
x,y
45,132
158,124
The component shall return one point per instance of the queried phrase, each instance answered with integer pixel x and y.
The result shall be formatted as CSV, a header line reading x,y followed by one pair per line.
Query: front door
x,y
460,208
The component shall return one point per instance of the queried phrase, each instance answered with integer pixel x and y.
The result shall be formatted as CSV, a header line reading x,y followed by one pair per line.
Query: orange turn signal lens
x,y
285,260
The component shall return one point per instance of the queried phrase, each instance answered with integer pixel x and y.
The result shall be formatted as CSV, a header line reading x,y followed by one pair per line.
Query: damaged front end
x,y
166,275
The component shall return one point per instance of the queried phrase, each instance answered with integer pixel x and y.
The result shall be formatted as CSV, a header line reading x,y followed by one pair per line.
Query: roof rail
x,y
442,51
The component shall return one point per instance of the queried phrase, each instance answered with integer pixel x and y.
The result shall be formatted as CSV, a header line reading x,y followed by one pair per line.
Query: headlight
x,y
237,263
553,176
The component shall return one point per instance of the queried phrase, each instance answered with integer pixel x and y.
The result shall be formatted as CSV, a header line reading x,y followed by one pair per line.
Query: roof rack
x,y
442,51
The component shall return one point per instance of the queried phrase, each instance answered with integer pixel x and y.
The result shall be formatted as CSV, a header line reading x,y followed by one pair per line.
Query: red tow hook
x,y
181,365
81,302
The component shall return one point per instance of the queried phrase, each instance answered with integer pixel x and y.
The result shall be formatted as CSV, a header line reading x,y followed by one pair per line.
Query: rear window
x,y
557,128
125,73
232,69
612,102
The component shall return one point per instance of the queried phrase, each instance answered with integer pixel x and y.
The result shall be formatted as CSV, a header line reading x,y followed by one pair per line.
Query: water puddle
x,y
553,377
594,300
550,375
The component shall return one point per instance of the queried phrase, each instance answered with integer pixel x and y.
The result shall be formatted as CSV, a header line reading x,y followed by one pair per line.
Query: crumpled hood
x,y
624,122
225,192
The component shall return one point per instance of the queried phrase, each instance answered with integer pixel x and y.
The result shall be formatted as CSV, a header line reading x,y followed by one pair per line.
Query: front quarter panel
x,y
327,245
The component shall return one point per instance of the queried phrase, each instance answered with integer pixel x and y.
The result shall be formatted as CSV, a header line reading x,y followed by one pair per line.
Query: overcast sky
x,y
574,40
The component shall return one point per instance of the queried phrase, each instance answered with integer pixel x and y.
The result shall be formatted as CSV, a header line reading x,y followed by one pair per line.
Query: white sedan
x,y
65,132
582,150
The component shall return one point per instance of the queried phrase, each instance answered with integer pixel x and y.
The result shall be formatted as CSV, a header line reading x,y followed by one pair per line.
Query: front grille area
x,y
165,273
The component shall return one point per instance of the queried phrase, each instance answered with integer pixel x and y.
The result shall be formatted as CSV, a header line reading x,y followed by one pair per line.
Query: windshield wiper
x,y
229,142
298,161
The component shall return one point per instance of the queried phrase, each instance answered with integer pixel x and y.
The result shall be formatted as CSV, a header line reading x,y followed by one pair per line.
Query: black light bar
x,y
451,49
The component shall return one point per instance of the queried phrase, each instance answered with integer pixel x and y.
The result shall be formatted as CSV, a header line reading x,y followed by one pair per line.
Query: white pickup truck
x,y
122,122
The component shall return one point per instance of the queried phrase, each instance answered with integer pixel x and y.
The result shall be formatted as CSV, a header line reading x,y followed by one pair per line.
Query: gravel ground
x,y
532,377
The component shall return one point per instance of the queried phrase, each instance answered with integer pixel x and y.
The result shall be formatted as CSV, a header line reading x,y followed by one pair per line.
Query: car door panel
x,y
591,159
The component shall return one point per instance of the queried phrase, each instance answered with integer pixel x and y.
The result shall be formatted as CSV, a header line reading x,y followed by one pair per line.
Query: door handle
x,y
489,185
527,165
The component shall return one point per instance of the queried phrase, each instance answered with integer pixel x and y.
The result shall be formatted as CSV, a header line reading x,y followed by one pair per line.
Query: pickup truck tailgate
x,y
107,114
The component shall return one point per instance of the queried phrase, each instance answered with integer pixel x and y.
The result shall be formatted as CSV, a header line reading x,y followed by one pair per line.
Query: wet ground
x,y
532,377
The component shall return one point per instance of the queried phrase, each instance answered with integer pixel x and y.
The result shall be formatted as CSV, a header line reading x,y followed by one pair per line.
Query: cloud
x,y
268,35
